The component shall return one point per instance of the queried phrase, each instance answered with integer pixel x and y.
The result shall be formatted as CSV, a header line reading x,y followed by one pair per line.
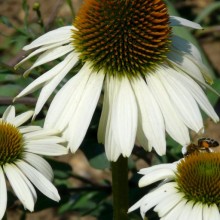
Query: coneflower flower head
x,y
190,190
20,160
122,37
150,77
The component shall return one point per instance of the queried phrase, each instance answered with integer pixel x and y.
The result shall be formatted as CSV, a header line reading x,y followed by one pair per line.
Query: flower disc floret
x,y
198,177
122,36
11,143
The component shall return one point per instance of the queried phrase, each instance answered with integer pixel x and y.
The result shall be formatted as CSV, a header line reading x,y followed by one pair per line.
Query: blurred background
x,y
84,179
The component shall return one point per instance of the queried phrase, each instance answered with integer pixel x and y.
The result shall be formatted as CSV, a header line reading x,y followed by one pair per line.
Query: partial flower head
x,y
190,190
151,78
20,147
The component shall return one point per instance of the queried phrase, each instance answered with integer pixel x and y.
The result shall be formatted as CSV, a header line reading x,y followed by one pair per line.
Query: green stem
x,y
120,188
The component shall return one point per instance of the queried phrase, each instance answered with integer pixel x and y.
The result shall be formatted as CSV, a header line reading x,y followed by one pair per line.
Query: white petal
x,y
30,186
206,212
40,81
156,176
135,206
185,46
104,114
43,184
146,171
168,204
158,195
47,140
185,54
61,108
40,50
186,65
26,129
49,149
3,193
58,35
141,138
84,110
47,90
175,212
50,55
124,117
182,100
153,198
196,212
214,212
198,94
20,186
174,126
178,21
22,118
39,134
40,164
112,149
186,211
151,118
205,73
9,114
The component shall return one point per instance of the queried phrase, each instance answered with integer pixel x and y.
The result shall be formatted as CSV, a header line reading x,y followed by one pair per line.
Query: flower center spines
x,y
11,143
122,37
198,177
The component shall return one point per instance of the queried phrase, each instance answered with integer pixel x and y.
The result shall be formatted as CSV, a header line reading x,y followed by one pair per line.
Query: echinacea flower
x,y
151,78
20,147
190,189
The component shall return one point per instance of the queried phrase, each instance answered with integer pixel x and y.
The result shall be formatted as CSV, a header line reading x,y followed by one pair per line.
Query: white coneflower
x,y
191,188
151,78
20,162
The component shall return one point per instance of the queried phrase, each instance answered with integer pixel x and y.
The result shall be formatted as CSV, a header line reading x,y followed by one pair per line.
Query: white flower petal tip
x,y
15,99
42,183
121,122
51,37
21,186
151,127
178,21
9,114
184,150
3,193
155,176
26,74
33,117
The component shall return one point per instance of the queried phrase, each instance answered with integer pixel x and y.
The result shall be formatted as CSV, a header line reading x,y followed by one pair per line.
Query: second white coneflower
x,y
20,160
190,190
151,78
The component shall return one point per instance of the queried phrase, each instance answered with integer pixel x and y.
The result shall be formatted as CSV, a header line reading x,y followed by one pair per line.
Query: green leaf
x,y
10,90
61,170
8,77
207,11
69,2
4,20
95,154
213,98
79,202
25,8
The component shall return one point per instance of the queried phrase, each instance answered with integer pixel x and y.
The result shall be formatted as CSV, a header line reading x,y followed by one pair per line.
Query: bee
x,y
203,145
